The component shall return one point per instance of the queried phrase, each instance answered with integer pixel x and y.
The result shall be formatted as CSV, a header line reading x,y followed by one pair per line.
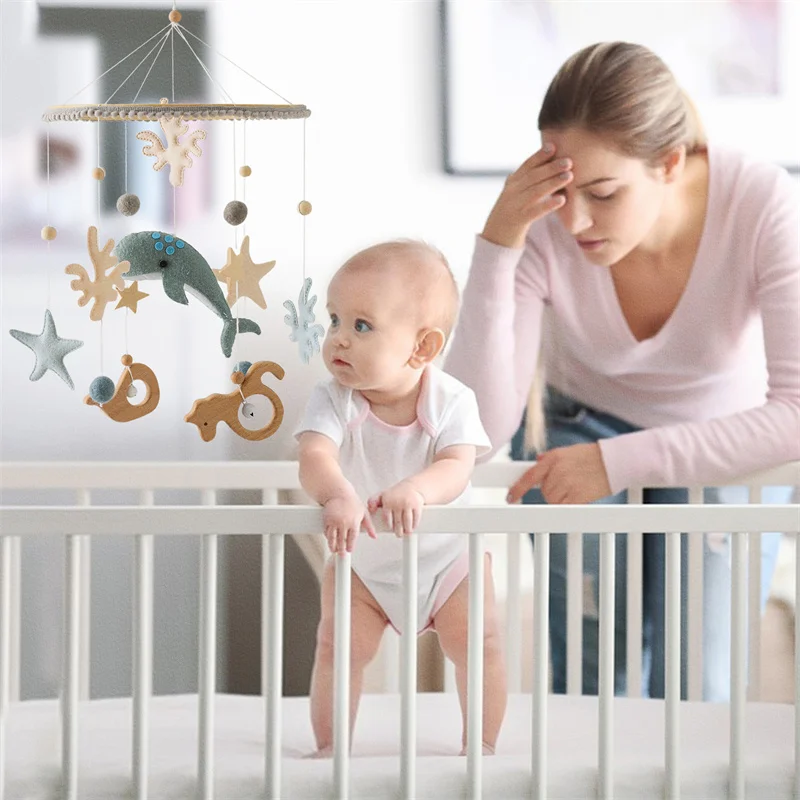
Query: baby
x,y
390,431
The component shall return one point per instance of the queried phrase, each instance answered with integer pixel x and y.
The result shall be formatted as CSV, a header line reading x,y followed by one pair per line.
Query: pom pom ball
x,y
128,204
235,212
101,389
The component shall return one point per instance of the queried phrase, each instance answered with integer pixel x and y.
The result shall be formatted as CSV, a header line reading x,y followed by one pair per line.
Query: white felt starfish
x,y
49,349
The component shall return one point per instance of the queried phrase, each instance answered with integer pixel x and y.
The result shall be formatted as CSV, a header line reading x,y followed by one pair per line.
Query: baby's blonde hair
x,y
430,278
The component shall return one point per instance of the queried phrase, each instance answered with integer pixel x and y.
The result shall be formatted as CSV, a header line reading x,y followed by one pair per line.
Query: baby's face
x,y
372,332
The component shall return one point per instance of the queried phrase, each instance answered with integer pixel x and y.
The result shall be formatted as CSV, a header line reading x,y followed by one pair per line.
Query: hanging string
x,y
180,30
125,58
98,228
222,55
172,47
98,182
125,135
304,197
47,216
244,180
137,67
147,74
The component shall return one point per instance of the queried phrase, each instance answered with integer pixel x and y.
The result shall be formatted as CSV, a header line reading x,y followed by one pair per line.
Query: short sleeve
x,y
321,416
462,424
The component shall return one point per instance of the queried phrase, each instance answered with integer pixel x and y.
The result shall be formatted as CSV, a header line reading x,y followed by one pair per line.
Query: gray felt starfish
x,y
49,349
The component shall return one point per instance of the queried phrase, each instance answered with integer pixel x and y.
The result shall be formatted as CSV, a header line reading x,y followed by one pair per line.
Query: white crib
x,y
240,747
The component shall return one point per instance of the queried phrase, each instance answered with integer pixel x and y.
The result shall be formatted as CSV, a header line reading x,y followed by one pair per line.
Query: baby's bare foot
x,y
487,750
323,752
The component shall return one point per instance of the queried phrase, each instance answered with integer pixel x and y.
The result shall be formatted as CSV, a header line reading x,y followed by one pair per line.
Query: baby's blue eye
x,y
362,327
334,320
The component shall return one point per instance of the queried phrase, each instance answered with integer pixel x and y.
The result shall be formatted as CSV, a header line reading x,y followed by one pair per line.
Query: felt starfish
x,y
49,349
130,297
242,275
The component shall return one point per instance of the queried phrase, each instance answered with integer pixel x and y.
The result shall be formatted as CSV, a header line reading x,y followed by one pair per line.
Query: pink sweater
x,y
717,389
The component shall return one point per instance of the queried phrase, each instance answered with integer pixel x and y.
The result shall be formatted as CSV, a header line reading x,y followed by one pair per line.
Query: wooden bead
x,y
304,207
175,16
49,233
164,101
126,360
245,171
98,173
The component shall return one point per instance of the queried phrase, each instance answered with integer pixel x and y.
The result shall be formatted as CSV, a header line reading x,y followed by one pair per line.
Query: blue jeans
x,y
570,422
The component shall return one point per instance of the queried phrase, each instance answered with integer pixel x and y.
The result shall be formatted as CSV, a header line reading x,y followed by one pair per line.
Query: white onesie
x,y
375,456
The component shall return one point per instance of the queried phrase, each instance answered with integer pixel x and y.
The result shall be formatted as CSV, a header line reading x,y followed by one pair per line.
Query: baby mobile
x,y
152,255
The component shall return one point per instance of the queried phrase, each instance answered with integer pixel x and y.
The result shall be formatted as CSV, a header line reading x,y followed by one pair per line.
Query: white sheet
x,y
105,745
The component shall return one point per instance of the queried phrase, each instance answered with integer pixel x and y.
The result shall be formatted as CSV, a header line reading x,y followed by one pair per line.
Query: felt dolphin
x,y
155,254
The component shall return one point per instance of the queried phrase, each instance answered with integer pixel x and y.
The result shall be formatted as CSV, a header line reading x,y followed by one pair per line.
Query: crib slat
x,y
514,612
606,665
5,649
208,657
70,692
475,669
797,671
408,671
633,641
575,590
736,790
341,679
142,654
15,623
672,666
272,568
274,681
269,497
694,600
85,591
541,633
754,495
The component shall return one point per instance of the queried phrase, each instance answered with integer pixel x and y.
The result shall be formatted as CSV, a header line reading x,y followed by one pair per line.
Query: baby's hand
x,y
402,507
344,517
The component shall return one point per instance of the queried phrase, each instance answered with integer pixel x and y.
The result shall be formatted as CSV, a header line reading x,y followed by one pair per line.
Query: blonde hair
x,y
625,93
439,298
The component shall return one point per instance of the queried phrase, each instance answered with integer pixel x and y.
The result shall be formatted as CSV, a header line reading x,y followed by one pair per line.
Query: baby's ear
x,y
429,345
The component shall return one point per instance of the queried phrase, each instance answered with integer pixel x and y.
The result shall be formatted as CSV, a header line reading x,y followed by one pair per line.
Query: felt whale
x,y
155,254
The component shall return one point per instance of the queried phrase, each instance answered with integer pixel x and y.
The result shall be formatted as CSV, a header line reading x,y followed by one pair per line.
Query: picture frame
x,y
738,60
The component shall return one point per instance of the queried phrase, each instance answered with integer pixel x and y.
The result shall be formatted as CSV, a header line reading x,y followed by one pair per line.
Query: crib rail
x,y
273,522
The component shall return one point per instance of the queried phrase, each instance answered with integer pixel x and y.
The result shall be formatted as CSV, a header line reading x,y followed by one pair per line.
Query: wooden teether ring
x,y
119,407
208,411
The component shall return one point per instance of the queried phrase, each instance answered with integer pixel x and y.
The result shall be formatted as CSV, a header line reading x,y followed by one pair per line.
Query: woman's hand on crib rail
x,y
565,475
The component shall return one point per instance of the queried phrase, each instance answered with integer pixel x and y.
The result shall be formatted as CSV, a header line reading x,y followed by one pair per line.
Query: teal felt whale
x,y
155,254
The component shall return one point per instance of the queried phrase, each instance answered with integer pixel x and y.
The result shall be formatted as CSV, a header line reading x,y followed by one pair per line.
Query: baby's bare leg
x,y
367,624
451,626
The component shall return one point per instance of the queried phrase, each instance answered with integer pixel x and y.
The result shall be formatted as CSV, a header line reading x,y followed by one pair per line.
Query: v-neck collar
x,y
663,331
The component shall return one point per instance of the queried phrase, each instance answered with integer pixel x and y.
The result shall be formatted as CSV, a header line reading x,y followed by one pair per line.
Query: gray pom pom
x,y
101,389
235,212
128,204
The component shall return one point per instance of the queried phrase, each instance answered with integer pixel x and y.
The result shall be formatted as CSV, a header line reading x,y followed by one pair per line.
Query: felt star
x,y
49,349
242,275
130,297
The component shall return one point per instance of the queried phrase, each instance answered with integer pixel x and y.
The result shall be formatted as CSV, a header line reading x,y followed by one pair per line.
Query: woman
x,y
670,270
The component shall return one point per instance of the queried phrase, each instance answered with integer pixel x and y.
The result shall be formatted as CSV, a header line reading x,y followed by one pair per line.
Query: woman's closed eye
x,y
604,196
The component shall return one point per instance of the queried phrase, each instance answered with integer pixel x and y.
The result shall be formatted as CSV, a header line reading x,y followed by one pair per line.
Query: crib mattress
x,y
33,752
